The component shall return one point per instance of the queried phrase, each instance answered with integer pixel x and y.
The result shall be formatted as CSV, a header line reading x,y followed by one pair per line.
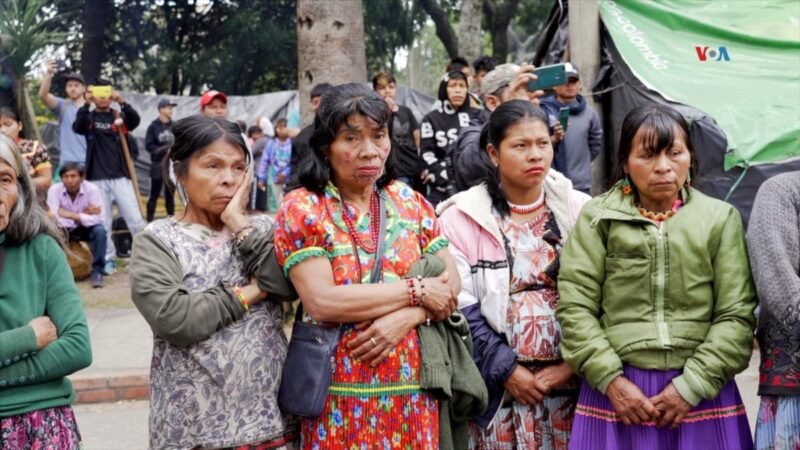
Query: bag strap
x,y
377,271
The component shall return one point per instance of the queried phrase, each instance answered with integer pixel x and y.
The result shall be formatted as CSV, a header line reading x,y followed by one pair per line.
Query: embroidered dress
x,y
47,429
222,391
534,335
366,407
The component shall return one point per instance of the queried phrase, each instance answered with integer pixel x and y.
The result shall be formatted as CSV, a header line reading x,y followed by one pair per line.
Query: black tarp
x,y
618,91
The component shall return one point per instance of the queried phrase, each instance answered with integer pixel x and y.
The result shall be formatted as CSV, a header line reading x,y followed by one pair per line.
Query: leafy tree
x,y
23,35
390,25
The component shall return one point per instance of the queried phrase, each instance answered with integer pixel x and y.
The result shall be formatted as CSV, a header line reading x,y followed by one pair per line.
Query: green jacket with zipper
x,y
675,296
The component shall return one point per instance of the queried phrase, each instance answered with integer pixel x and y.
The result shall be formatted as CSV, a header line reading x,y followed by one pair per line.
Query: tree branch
x,y
444,31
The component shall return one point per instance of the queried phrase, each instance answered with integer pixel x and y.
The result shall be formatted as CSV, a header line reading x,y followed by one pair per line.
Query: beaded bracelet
x,y
241,234
237,292
421,290
413,300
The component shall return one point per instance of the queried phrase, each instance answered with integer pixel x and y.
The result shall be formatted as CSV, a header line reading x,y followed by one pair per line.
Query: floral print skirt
x,y
43,429
379,407
778,424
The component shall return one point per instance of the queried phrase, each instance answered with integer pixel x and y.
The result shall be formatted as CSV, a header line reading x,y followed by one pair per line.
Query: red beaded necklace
x,y
374,224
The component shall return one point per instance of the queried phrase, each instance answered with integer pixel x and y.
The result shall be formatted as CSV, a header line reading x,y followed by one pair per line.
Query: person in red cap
x,y
214,104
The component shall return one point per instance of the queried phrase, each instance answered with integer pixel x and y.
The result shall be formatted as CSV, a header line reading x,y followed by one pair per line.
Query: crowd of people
x,y
459,286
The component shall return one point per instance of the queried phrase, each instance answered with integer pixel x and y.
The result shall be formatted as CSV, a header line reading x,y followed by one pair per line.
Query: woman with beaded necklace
x,y
326,238
506,235
657,302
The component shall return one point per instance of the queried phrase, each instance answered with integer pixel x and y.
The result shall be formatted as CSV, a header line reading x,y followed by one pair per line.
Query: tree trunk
x,y
469,29
96,15
330,46
444,31
26,112
499,14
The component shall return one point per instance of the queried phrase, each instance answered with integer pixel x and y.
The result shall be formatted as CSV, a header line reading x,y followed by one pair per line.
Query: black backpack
x,y
121,236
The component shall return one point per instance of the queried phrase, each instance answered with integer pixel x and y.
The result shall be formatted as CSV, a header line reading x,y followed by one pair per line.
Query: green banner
x,y
736,60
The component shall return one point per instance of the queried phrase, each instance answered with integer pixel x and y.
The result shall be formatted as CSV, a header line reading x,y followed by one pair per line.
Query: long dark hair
x,y
192,135
339,103
494,131
659,124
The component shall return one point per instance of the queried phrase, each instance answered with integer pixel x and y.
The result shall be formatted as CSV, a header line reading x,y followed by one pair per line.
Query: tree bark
x,y
444,31
469,29
330,46
26,112
96,15
499,14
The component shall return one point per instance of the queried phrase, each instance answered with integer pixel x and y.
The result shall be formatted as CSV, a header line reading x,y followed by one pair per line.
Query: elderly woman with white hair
x,y
43,332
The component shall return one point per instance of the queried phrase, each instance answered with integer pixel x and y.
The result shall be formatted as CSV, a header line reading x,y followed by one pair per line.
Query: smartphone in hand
x,y
563,117
548,77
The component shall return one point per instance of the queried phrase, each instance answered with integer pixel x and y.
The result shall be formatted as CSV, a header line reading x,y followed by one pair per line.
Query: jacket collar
x,y
618,206
477,205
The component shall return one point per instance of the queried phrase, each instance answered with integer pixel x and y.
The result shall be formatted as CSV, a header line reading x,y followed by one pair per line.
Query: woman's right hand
x,y
44,330
630,402
439,299
525,387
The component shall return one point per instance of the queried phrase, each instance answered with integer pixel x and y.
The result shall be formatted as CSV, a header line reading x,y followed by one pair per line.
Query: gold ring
x,y
374,343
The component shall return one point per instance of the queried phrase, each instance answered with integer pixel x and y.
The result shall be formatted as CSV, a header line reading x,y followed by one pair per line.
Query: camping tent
x,y
731,67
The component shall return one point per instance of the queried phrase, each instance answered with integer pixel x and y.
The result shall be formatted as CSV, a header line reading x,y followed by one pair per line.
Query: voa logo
x,y
705,53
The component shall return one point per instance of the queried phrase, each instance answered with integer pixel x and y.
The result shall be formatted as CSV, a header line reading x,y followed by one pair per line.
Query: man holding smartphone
x,y
583,139
71,144
105,161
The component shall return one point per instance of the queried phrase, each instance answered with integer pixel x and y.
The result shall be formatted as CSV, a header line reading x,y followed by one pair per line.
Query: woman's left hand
x,y
554,376
672,406
234,215
375,343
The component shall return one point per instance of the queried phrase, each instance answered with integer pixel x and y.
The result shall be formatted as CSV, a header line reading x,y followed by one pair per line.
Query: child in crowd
x,y
274,169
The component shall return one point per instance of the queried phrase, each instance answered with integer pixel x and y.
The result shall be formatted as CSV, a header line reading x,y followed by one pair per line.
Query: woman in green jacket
x,y
657,302
43,332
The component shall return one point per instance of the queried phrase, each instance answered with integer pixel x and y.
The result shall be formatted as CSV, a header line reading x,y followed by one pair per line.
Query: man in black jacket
x,y
157,141
105,161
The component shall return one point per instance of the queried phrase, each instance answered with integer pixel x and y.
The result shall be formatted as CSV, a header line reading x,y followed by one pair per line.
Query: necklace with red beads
x,y
374,223
530,208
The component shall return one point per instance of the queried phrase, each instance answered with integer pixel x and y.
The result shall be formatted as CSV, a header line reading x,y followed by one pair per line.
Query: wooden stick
x,y
126,152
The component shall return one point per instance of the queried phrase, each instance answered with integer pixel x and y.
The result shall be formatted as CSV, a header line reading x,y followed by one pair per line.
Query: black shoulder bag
x,y
310,364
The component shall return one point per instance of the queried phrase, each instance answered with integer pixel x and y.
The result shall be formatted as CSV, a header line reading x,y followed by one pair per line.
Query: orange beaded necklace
x,y
661,216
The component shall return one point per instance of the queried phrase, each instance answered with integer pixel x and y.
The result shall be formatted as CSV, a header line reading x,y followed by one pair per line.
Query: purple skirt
x,y
718,424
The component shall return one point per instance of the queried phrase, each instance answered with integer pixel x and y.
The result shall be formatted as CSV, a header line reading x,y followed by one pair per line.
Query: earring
x,y
626,186
689,180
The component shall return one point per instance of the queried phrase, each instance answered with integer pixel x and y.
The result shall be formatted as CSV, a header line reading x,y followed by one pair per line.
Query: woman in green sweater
x,y
43,332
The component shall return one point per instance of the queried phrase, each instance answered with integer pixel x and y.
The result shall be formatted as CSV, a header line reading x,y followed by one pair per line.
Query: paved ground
x,y
122,343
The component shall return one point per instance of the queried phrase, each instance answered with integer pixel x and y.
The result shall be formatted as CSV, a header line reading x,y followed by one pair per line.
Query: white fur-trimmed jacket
x,y
476,244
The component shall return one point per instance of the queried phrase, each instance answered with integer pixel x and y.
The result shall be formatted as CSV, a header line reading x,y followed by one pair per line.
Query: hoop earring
x,y
626,186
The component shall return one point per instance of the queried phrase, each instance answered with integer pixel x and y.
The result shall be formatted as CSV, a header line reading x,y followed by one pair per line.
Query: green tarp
x,y
736,60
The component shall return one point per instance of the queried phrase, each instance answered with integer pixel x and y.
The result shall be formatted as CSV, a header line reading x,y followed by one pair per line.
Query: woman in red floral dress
x,y
374,399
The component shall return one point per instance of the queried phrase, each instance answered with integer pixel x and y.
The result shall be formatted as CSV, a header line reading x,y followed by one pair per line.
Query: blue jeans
x,y
96,236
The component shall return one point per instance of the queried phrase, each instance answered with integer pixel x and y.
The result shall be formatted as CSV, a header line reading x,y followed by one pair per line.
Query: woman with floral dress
x,y
208,285
506,236
374,399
